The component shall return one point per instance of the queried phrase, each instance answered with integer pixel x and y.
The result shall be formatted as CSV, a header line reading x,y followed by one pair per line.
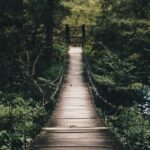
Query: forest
x,y
33,59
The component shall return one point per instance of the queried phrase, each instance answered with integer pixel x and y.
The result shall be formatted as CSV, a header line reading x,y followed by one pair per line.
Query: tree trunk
x,y
49,41
49,24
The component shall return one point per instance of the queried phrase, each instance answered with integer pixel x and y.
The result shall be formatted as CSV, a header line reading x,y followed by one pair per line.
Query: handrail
x,y
60,76
64,62
90,75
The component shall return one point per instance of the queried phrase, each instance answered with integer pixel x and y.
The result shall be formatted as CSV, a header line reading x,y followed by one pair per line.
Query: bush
x,y
132,128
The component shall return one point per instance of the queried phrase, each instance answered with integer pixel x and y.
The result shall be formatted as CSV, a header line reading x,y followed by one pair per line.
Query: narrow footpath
x,y
74,124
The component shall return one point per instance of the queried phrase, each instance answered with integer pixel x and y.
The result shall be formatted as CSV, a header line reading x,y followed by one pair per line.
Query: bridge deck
x,y
74,124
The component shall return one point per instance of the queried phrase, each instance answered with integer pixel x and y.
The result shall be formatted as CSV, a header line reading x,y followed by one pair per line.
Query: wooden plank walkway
x,y
74,124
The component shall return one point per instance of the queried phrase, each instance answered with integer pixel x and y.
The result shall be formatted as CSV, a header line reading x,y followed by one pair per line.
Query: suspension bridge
x,y
74,124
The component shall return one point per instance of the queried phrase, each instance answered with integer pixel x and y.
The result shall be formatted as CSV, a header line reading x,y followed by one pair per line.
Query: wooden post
x,y
83,35
67,34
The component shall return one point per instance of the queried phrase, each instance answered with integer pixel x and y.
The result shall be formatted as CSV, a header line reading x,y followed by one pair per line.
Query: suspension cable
x,y
90,77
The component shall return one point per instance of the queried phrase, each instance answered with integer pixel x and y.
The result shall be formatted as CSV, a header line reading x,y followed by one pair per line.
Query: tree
x,y
82,12
26,33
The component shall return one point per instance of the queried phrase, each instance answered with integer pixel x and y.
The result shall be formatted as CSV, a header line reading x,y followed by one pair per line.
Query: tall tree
x,y
26,37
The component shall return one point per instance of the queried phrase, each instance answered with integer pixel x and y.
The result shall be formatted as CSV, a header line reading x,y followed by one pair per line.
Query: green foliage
x,y
4,140
109,65
132,128
52,72
26,44
18,117
21,113
119,60
27,52
128,37
120,55
59,53
104,80
82,12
